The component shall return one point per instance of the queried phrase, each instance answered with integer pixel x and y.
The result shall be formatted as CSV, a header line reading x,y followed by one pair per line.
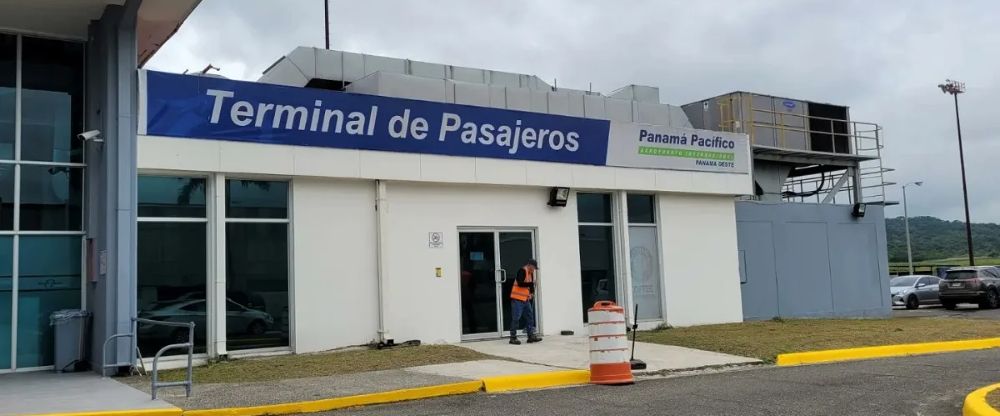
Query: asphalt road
x,y
925,385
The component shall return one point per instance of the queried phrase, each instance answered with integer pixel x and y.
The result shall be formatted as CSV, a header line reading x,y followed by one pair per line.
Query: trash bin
x,y
70,327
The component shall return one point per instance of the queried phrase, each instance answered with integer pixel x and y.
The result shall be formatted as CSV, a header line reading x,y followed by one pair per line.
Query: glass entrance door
x,y
489,261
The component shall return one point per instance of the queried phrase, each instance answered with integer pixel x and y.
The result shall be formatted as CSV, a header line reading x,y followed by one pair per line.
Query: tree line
x,y
933,238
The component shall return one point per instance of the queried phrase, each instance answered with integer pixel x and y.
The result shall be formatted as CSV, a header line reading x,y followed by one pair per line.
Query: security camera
x,y
91,136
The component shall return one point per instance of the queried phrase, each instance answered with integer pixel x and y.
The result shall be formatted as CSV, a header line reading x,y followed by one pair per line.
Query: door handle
x,y
502,274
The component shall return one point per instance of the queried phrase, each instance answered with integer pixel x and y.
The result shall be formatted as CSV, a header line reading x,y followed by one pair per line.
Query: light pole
x,y
906,222
954,88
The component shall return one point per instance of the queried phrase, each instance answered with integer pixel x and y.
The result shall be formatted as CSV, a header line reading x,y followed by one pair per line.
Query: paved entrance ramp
x,y
574,352
45,392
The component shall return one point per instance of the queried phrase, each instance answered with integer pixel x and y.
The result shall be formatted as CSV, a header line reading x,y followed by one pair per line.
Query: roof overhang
x,y
157,21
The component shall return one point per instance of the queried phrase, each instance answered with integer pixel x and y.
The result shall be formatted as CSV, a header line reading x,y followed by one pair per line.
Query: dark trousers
x,y
520,309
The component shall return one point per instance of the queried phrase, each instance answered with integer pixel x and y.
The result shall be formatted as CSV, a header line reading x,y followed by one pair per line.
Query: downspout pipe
x,y
381,215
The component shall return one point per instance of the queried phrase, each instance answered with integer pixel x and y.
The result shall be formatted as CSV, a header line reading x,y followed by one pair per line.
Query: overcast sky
x,y
882,58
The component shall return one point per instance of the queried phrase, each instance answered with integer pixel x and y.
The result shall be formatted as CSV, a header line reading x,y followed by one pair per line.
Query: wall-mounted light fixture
x,y
558,197
859,210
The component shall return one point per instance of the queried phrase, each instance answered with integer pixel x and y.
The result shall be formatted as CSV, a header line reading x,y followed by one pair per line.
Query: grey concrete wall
x,y
812,260
112,103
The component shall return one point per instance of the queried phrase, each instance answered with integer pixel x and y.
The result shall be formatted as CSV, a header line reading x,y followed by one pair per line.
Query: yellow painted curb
x,y
847,354
342,402
535,380
976,405
137,412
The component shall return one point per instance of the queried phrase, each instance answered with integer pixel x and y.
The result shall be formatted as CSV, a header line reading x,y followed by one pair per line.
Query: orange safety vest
x,y
522,293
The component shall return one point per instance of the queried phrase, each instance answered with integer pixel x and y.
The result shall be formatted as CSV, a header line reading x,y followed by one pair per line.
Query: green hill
x,y
934,238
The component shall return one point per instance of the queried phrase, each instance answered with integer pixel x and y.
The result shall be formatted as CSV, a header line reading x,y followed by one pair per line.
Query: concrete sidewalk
x,y
546,363
555,353
574,352
216,395
48,392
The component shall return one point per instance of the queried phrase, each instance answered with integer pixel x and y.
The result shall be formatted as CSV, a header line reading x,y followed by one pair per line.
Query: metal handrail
x,y
155,384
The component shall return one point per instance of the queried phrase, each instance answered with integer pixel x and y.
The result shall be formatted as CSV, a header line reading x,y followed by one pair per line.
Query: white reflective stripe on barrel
x,y
609,343
609,357
596,317
606,329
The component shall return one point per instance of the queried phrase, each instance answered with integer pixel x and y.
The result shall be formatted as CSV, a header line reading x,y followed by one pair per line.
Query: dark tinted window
x,y
164,196
51,198
256,199
195,307
6,196
257,278
597,265
8,80
51,100
593,207
960,274
641,209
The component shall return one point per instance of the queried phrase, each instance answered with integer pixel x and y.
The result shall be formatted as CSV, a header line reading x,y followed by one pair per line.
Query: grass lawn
x,y
766,339
324,364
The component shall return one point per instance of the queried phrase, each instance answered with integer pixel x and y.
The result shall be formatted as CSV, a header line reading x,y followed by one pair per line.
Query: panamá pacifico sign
x,y
199,107
650,146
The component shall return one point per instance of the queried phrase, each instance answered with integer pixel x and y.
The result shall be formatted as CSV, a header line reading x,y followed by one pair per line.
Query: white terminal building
x,y
344,199
369,198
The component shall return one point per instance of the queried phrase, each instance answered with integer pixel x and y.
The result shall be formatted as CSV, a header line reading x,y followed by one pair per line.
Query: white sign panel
x,y
633,145
435,239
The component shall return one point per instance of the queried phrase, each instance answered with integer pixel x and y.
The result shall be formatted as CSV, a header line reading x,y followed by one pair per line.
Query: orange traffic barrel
x,y
609,348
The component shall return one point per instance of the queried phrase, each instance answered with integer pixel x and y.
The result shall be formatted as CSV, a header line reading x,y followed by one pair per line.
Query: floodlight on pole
x,y
954,88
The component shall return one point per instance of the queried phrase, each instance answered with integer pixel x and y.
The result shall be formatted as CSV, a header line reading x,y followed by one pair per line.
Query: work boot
x,y
514,341
534,338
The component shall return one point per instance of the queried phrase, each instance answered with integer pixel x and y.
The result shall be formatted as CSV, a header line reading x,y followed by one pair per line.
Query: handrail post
x,y
190,378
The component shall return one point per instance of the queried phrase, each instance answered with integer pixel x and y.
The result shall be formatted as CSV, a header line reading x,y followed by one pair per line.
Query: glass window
x,y
8,81
6,297
640,209
597,266
6,196
593,207
256,199
51,100
48,280
644,258
164,196
172,271
257,280
51,198
198,306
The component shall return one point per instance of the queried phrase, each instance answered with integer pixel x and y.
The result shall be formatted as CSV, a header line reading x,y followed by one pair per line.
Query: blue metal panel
x,y
760,287
812,260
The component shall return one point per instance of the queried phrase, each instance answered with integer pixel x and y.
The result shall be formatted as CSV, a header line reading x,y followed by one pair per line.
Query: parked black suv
x,y
980,284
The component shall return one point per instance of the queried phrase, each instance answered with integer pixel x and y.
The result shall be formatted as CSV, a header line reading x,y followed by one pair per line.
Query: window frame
x,y
221,189
658,234
18,162
210,331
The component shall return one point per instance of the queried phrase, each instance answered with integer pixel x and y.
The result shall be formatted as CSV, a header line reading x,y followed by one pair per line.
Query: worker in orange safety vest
x,y
521,296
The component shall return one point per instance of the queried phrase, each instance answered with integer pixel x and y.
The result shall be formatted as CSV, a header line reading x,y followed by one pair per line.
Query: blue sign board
x,y
212,108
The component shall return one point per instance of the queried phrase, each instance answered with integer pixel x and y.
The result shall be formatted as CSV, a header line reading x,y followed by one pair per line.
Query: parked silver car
x,y
913,291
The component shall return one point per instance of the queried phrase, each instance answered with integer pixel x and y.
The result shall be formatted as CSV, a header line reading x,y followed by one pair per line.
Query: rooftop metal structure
x,y
803,151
